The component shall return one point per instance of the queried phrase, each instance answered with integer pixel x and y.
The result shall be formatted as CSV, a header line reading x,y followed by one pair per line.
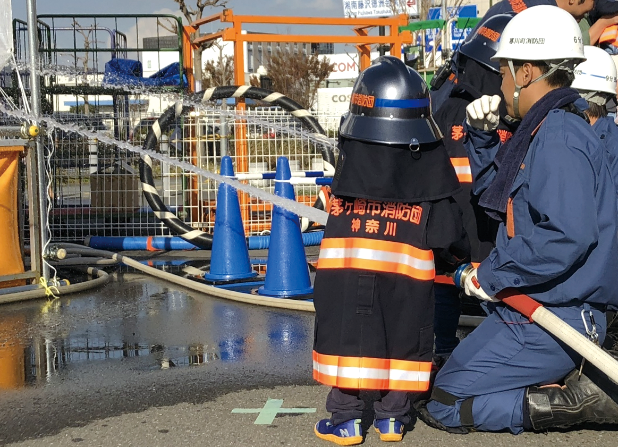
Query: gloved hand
x,y
483,113
473,288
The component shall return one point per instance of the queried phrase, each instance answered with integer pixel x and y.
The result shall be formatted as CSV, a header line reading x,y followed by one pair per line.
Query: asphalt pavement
x,y
143,363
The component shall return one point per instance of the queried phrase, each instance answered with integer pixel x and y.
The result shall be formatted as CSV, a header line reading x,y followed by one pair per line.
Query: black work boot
x,y
577,402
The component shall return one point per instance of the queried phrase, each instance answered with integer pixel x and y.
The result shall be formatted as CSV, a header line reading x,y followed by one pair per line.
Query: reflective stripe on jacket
x,y
462,168
377,256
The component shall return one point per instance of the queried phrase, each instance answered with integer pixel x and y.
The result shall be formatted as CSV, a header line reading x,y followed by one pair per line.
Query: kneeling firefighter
x,y
373,291
550,188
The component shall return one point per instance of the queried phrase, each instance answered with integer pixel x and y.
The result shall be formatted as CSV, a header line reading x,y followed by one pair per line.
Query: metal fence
x,y
96,188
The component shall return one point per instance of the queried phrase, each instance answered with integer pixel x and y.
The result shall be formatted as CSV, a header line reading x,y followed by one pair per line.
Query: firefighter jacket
x,y
373,291
558,243
475,81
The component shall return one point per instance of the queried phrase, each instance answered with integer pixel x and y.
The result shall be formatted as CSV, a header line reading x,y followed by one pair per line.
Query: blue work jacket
x,y
607,130
564,250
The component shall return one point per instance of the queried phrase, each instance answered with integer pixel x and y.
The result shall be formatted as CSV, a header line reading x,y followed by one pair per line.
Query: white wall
x,y
333,102
153,61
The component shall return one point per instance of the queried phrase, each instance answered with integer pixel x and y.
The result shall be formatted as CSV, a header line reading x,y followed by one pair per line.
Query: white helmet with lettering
x,y
541,33
596,75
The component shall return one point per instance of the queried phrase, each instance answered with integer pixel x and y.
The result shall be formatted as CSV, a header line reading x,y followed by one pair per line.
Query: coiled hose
x,y
169,117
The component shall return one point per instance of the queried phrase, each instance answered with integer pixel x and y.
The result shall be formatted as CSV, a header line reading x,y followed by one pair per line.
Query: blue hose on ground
x,y
261,242
176,243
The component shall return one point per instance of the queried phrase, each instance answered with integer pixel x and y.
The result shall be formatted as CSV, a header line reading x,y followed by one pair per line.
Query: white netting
x,y
6,32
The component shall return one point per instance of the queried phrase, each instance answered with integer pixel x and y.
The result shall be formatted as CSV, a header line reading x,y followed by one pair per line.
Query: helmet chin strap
x,y
518,88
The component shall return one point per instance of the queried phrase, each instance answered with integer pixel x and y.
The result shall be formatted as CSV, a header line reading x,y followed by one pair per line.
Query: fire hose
x,y
539,314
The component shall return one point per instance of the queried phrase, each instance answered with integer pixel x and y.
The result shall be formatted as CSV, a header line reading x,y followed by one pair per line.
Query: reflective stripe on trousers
x,y
371,373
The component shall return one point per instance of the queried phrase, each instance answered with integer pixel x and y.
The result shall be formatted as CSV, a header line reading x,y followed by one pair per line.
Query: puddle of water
x,y
142,322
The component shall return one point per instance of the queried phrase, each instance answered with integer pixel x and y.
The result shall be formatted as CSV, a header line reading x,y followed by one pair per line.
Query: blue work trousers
x,y
497,362
446,318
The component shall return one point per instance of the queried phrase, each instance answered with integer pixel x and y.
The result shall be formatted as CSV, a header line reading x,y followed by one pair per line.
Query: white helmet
x,y
597,74
541,33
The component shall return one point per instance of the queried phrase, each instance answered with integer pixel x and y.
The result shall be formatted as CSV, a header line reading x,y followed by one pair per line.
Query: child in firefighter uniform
x,y
373,291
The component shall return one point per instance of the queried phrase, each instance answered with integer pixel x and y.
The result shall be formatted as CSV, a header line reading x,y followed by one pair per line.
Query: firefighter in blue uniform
x,y
478,76
391,206
551,189
595,79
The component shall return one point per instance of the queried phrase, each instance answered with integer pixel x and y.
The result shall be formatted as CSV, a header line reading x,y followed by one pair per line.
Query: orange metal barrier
x,y
11,262
395,38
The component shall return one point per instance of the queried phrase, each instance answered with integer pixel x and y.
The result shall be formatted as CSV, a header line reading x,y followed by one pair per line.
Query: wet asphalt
x,y
141,362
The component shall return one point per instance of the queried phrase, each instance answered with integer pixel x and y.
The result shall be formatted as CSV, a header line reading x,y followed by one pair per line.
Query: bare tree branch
x,y
169,25
195,14
188,13
220,73
297,75
192,14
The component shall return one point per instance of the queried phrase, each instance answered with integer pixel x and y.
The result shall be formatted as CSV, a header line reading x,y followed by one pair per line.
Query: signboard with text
x,y
376,8
457,35
345,65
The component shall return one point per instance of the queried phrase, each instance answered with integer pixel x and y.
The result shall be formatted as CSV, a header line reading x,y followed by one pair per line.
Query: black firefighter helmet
x,y
483,43
390,105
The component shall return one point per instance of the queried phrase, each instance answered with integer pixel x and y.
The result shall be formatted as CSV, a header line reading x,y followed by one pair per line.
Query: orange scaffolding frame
x,y
361,26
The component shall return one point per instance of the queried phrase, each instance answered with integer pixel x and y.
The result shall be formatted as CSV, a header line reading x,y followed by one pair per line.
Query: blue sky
x,y
305,8
317,8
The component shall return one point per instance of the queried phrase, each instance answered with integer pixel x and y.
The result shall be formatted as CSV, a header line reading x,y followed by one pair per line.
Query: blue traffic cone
x,y
287,273
229,260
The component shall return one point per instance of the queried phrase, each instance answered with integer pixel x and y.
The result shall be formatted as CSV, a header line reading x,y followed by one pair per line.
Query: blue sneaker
x,y
346,433
390,430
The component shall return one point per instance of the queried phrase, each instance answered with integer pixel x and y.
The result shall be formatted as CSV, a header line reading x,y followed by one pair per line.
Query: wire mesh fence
x,y
96,189
101,90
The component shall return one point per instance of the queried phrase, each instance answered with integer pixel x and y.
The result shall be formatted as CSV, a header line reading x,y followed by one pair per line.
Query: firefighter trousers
x,y
483,383
345,404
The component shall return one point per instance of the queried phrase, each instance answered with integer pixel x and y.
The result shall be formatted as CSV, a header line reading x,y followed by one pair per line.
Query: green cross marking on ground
x,y
271,408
